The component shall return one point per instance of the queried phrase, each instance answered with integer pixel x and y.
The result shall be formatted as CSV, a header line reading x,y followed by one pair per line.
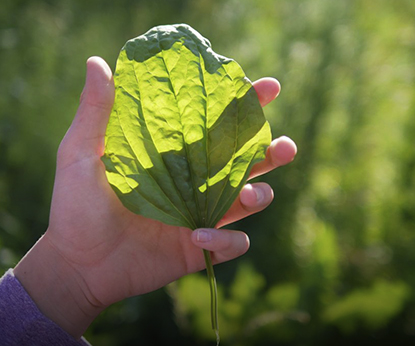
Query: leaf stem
x,y
213,294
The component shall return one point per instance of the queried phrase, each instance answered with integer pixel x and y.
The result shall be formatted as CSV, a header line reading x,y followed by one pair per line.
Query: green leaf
x,y
184,132
185,129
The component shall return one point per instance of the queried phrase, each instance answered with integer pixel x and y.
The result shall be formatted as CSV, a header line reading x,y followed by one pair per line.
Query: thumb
x,y
86,135
225,244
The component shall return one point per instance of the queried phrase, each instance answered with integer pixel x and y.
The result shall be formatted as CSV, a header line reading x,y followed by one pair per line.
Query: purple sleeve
x,y
21,322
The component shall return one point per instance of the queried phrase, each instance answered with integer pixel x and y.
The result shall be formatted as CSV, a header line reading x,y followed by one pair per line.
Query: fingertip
x,y
267,89
247,196
283,150
252,196
98,67
99,84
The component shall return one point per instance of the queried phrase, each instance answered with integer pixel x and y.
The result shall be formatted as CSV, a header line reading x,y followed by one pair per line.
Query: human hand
x,y
95,251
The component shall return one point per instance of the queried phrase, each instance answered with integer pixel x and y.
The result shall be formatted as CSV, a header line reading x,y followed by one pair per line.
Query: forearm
x,y
56,288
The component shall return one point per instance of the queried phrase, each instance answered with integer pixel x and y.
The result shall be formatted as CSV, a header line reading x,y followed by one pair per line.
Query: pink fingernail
x,y
203,236
259,194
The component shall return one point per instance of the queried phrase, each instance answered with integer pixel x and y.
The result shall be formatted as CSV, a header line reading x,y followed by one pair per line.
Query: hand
x,y
95,251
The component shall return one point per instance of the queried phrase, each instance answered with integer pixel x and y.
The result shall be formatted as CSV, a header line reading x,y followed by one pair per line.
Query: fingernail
x,y
203,236
259,194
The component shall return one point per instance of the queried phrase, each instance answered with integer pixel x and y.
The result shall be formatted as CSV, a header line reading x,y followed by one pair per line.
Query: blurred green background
x,y
332,260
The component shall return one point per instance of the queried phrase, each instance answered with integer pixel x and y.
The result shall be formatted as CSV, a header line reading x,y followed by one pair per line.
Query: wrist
x,y
56,288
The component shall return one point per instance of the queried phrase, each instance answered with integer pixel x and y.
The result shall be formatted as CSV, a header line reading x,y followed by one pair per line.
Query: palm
x,y
109,245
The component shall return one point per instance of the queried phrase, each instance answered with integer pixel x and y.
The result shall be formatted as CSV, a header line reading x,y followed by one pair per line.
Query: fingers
x,y
256,197
86,134
267,90
225,245
280,152
252,199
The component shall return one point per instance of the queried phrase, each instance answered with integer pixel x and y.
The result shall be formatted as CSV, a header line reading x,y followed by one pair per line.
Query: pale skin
x,y
95,252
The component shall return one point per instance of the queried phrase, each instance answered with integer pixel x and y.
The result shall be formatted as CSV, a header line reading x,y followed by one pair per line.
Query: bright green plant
x,y
184,132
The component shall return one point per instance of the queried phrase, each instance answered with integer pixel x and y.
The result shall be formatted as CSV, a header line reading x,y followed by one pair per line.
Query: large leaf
x,y
185,129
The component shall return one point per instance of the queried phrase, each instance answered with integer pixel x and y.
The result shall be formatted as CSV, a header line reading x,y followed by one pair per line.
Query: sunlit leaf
x,y
184,132
185,129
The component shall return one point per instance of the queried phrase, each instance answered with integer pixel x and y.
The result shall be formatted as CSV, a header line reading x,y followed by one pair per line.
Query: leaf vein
x,y
137,157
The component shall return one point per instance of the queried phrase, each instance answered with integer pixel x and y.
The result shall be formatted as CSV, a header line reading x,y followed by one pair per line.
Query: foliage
x,y
184,132
185,129
331,260
373,307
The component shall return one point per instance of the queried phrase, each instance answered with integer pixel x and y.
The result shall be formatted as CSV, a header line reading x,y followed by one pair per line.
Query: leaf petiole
x,y
213,294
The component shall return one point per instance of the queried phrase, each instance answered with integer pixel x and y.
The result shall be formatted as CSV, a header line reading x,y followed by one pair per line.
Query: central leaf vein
x,y
185,146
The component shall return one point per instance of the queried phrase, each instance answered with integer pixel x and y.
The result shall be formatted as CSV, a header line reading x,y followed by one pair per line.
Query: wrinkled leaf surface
x,y
185,129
